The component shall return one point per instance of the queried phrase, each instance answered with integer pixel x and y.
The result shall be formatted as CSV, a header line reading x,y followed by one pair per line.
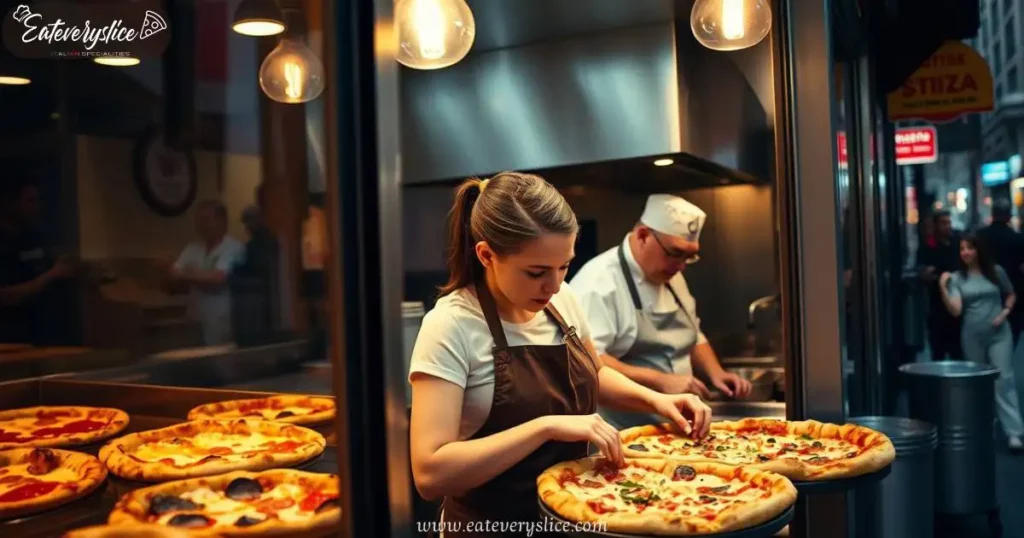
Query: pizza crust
x,y
118,422
133,508
224,410
877,450
140,530
116,453
735,517
91,473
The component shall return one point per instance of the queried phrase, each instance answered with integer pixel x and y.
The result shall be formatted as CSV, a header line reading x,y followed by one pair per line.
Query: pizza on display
x,y
665,497
292,409
236,504
805,450
37,479
50,426
139,530
208,447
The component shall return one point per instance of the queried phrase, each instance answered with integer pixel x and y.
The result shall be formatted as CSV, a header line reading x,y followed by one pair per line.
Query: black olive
x,y
707,499
638,447
720,489
284,414
720,448
851,455
771,439
246,521
762,457
243,489
328,504
190,521
684,472
816,444
161,504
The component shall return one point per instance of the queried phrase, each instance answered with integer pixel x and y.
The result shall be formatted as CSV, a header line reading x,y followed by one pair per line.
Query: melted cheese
x,y
60,474
680,497
201,444
226,511
749,448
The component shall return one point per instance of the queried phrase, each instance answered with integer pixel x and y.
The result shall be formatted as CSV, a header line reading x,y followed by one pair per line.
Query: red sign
x,y
914,145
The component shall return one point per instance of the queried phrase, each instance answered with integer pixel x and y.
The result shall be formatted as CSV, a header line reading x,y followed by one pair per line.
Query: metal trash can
x,y
903,504
958,398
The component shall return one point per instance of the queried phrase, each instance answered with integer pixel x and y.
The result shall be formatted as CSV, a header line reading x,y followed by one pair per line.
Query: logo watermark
x,y
68,30
526,528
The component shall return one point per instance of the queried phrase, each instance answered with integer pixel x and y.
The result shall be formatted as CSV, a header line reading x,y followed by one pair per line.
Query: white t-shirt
x,y
604,294
212,308
454,344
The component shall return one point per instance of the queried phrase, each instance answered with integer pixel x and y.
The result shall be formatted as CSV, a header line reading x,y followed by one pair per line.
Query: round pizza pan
x,y
764,530
842,484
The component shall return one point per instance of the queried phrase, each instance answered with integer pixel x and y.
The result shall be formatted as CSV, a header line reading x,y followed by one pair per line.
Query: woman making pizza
x,y
505,380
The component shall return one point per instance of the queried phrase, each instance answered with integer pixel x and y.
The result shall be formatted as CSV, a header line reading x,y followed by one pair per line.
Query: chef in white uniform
x,y
643,319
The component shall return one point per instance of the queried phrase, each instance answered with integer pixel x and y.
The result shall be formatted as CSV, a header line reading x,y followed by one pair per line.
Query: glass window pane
x,y
1011,80
1010,38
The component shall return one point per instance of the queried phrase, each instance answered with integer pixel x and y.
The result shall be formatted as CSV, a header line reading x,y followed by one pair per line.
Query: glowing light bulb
x,y
291,73
730,24
10,80
433,34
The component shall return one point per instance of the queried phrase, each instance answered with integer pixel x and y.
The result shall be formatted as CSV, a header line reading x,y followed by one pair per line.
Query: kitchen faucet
x,y
758,304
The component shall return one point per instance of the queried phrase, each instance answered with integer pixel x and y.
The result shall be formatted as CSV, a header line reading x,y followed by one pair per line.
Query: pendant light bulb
x,y
433,34
730,24
258,18
291,73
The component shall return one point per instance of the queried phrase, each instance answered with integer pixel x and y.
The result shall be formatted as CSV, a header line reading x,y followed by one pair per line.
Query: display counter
x,y
148,407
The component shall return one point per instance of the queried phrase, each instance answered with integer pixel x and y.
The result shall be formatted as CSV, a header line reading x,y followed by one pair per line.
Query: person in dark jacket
x,y
1007,246
932,261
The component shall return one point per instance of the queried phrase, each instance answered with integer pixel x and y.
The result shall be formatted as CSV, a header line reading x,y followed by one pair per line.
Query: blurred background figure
x,y
1007,248
204,266
255,289
37,299
940,254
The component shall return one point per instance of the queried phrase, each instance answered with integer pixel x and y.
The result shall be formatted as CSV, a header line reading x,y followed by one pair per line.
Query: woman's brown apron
x,y
529,382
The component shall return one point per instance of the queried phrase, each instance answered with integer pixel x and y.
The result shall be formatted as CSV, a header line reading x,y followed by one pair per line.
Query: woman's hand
x,y
676,407
1000,318
944,279
590,428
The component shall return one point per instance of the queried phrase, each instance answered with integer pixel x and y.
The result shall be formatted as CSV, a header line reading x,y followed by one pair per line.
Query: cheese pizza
x,y
237,504
207,447
666,497
806,450
50,426
283,408
37,479
140,530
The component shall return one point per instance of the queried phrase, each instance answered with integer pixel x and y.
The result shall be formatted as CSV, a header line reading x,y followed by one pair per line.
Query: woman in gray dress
x,y
981,295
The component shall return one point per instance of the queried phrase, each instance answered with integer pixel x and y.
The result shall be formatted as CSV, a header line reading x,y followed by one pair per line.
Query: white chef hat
x,y
672,215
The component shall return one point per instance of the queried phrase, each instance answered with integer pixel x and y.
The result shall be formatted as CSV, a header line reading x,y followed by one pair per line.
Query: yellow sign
x,y
954,81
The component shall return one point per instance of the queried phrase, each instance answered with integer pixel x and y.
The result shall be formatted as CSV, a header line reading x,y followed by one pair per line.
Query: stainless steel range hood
x,y
548,86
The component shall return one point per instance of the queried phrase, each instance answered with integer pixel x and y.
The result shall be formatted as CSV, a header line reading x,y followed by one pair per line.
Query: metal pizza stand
x,y
768,528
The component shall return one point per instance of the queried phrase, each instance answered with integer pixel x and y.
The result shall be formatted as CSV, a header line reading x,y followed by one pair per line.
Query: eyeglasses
x,y
682,257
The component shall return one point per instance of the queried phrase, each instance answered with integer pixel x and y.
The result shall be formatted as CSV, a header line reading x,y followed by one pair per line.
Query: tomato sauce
x,y
28,491
78,426
13,437
599,507
314,501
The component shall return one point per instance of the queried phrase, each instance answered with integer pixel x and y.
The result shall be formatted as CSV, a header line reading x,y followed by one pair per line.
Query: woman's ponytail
x,y
463,267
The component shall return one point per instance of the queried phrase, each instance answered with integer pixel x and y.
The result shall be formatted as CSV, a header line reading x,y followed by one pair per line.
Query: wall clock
x,y
164,176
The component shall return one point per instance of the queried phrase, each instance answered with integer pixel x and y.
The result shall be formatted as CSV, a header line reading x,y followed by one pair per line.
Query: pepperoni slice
x,y
28,491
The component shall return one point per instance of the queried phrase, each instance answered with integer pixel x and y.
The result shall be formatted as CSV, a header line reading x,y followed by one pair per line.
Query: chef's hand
x,y
680,384
731,384
688,412
589,428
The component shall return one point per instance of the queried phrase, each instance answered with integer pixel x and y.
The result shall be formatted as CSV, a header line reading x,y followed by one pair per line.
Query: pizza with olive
x,y
280,501
288,408
38,479
664,497
208,447
805,450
